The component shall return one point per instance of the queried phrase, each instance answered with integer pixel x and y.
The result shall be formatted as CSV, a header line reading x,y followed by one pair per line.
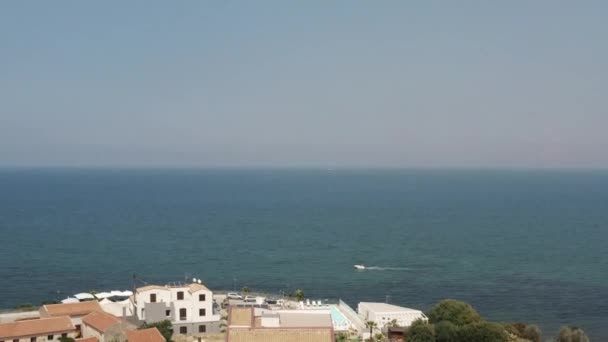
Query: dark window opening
x,y
183,330
202,328
180,295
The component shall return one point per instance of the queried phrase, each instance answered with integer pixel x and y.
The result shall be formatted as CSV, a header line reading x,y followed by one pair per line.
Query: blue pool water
x,y
337,317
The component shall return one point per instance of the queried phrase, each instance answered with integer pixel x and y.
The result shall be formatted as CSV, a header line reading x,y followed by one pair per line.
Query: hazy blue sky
x,y
307,83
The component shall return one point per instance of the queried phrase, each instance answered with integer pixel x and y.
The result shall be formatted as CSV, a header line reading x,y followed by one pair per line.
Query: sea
x,y
519,245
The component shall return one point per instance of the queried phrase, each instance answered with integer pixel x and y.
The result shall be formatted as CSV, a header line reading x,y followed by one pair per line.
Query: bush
x,y
446,331
457,312
572,334
421,331
532,332
484,331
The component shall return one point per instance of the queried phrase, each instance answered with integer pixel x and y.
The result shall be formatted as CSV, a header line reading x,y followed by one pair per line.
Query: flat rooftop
x,y
383,307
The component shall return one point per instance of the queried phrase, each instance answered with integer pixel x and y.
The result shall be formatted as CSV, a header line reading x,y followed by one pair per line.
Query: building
x,y
244,325
38,330
145,335
396,334
383,313
189,307
75,311
87,339
105,327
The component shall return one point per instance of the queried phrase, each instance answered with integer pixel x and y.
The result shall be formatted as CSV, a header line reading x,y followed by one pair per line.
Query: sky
x,y
304,83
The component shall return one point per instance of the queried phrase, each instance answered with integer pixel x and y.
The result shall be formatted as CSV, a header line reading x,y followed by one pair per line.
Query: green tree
x,y
245,290
341,337
165,327
483,331
572,334
66,339
421,331
446,331
455,311
371,325
299,294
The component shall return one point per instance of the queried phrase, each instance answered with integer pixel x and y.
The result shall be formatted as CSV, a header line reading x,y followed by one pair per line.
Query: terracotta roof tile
x,y
145,335
87,339
100,320
34,327
71,309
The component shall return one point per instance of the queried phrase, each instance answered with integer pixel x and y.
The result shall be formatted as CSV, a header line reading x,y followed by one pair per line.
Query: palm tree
x,y
299,294
245,290
371,325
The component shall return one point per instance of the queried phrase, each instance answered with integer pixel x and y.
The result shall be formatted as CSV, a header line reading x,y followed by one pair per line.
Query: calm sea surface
x,y
518,245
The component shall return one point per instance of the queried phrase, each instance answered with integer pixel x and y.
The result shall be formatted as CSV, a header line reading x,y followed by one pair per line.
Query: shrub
x,y
421,331
532,332
572,334
446,331
483,331
457,312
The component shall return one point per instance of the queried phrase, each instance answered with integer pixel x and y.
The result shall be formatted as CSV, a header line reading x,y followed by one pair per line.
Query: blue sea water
x,y
519,245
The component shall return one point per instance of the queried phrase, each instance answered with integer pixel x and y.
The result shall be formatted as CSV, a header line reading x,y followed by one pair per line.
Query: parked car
x,y
234,295
250,299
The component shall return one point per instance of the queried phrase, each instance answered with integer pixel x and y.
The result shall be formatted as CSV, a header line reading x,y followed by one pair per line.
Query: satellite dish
x,y
194,280
199,281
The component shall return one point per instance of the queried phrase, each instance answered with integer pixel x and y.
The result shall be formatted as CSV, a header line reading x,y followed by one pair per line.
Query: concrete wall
x,y
156,312
192,328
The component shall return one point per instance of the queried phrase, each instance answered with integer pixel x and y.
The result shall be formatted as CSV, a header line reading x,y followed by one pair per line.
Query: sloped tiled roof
x,y
71,309
100,321
34,327
145,335
194,287
87,339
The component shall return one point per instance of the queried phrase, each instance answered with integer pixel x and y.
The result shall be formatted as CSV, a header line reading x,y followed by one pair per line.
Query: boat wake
x,y
378,268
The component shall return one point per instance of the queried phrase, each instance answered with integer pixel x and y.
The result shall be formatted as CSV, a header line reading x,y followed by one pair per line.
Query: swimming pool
x,y
340,322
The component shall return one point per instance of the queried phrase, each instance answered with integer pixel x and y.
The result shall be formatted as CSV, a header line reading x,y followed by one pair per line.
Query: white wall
x,y
87,331
190,302
162,295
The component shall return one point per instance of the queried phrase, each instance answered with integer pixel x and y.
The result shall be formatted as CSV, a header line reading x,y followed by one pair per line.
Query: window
x,y
201,297
64,335
202,328
33,339
152,297
168,313
50,337
180,295
182,315
78,327
183,330
201,312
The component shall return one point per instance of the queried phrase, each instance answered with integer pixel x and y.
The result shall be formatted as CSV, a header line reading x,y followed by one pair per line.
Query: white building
x,y
383,314
189,307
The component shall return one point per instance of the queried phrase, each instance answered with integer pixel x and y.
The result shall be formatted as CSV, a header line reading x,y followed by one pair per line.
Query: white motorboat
x,y
360,267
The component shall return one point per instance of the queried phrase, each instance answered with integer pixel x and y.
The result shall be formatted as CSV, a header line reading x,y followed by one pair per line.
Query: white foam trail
x,y
378,268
